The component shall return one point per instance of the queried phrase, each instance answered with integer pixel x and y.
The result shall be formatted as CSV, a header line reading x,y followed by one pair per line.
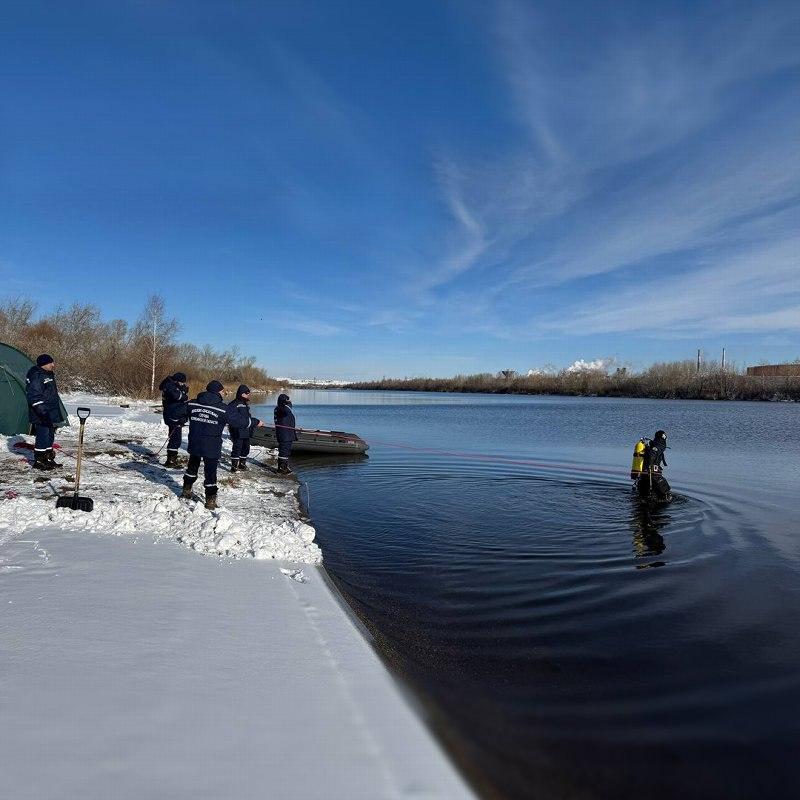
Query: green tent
x,y
14,366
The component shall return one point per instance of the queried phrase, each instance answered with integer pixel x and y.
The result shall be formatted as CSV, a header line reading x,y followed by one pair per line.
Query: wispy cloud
x,y
311,326
751,291
672,142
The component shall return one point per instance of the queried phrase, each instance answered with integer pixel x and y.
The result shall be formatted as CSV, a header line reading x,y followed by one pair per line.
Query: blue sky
x,y
355,189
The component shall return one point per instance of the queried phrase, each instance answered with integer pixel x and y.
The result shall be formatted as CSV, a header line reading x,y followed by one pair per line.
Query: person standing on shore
x,y
285,432
174,399
240,425
44,410
208,415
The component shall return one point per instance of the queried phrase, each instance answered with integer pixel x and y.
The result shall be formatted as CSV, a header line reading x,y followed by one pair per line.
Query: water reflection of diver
x,y
645,526
647,468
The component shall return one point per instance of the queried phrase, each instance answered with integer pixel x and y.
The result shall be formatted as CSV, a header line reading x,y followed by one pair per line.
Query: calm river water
x,y
569,642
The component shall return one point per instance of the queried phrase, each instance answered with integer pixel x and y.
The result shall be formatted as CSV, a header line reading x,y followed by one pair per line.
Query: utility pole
x,y
698,360
723,359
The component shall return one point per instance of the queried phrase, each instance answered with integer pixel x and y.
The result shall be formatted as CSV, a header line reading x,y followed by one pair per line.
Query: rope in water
x,y
482,457
473,456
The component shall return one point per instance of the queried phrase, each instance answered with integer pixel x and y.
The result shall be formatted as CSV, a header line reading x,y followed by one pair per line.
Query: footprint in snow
x,y
295,575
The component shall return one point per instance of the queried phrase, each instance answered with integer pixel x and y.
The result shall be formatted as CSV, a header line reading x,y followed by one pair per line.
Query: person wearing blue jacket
x,y
240,425
174,401
285,432
208,416
44,410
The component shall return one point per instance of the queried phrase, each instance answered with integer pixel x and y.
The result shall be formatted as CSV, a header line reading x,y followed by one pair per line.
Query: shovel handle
x,y
80,456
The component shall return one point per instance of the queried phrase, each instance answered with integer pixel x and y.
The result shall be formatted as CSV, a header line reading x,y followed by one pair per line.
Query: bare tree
x,y
157,332
16,314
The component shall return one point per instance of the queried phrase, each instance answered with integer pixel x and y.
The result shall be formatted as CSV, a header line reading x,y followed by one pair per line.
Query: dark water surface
x,y
575,643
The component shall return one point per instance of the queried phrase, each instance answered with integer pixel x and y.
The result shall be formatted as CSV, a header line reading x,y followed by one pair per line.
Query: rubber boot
x,y
51,457
172,459
242,463
186,494
283,466
41,461
211,498
234,464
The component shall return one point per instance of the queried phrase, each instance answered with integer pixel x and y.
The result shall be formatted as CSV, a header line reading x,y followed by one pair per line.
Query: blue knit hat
x,y
44,360
215,386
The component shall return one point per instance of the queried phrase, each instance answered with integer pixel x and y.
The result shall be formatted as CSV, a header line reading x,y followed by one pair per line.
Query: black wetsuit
x,y
652,481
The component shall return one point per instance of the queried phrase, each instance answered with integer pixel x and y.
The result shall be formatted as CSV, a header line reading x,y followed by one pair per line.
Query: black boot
x,y
234,464
283,466
41,461
211,498
51,457
172,459
186,494
242,463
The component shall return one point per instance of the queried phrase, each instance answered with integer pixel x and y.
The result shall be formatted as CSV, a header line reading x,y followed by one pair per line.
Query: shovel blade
x,y
76,503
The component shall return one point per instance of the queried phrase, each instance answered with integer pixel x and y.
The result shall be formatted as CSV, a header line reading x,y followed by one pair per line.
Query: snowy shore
x,y
259,514
132,667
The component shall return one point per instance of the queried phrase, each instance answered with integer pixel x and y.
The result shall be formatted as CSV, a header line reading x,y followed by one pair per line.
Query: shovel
x,y
74,502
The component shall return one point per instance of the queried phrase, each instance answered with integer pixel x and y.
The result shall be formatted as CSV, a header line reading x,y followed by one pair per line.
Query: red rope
x,y
474,456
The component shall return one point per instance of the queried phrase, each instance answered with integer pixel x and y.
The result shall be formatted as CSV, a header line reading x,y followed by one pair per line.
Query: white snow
x,y
259,514
131,668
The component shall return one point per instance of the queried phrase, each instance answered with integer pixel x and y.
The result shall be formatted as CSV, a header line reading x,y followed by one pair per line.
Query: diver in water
x,y
650,480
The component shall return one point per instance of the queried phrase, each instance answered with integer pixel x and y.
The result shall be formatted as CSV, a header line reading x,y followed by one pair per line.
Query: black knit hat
x,y
215,386
44,360
180,377
242,390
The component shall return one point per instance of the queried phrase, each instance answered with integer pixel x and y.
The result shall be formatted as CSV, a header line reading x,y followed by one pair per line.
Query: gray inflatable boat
x,y
309,441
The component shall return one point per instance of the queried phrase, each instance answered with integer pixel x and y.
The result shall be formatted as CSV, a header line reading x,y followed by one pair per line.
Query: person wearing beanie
x,y
174,400
44,410
240,425
285,432
208,416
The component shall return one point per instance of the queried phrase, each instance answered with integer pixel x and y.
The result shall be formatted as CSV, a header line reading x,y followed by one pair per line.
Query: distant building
x,y
775,371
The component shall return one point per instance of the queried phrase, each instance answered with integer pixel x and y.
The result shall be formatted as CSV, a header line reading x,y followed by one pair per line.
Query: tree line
x,y
115,357
680,380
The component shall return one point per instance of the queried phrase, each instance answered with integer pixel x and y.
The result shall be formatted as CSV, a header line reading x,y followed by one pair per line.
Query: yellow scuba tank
x,y
637,466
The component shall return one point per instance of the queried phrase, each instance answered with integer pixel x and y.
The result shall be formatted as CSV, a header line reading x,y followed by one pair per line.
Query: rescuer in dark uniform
x,y
651,482
44,410
174,400
208,416
285,432
240,424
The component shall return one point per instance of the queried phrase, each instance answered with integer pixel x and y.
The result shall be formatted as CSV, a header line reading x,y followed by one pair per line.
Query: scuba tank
x,y
637,465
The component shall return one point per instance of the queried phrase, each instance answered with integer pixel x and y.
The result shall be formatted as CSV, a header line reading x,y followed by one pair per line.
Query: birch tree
x,y
157,332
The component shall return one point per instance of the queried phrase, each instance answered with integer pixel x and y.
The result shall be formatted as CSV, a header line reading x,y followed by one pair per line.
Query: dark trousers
x,y
175,438
209,468
284,450
659,487
240,448
45,436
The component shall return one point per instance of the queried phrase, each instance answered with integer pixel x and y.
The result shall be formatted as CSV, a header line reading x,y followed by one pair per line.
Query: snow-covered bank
x,y
259,514
131,668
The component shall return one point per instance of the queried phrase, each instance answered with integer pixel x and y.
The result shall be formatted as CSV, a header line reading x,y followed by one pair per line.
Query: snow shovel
x,y
75,502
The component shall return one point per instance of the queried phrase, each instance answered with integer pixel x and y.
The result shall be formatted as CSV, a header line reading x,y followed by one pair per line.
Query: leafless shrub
x,y
668,380
114,357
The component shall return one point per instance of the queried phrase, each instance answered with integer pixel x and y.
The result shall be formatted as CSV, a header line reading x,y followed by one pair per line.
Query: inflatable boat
x,y
309,441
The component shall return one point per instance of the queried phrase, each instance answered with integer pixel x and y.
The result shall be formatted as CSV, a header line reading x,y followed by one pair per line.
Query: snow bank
x,y
259,514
